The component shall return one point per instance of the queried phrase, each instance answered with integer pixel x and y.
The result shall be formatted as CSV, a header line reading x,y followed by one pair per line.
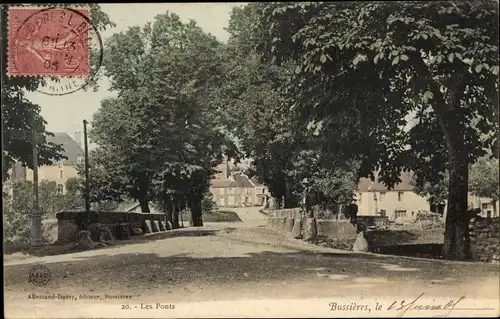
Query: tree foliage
x,y
252,107
20,116
18,208
435,192
158,139
484,179
362,69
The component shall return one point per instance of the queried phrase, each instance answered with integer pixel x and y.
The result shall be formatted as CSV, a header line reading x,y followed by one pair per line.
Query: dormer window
x,y
79,159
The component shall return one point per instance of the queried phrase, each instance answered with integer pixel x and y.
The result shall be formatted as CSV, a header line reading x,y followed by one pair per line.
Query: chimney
x,y
78,139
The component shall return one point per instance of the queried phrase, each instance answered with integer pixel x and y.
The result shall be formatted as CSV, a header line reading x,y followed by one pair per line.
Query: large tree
x,y
248,104
20,117
160,126
251,105
367,67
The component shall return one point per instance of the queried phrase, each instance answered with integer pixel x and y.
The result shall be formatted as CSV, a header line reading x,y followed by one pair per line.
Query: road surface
x,y
243,269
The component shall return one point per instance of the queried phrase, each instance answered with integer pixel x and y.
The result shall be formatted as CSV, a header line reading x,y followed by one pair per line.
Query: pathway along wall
x,y
484,232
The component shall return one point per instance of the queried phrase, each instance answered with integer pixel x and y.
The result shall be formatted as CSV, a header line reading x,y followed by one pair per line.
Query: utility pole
x,y
87,187
36,216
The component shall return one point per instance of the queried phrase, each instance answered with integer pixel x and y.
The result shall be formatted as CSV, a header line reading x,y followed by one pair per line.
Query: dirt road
x,y
194,270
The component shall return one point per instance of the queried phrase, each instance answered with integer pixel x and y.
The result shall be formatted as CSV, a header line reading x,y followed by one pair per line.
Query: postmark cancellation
x,y
48,41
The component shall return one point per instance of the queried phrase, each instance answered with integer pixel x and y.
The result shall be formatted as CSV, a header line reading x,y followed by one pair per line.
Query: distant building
x,y
399,203
232,188
402,203
225,192
485,204
58,172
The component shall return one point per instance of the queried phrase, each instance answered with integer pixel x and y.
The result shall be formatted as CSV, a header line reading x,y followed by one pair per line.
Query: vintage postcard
x,y
237,160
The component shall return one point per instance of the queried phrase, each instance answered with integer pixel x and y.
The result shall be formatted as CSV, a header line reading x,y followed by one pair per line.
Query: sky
x,y
66,113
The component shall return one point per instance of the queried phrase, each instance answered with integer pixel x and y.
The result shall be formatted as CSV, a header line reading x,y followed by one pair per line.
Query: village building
x,y
231,187
60,171
402,203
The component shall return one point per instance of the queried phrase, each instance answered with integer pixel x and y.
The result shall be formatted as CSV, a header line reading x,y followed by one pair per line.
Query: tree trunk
x,y
175,217
456,238
196,220
144,205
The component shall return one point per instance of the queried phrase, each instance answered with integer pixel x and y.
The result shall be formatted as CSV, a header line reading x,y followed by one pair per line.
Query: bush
x,y
208,205
18,207
17,213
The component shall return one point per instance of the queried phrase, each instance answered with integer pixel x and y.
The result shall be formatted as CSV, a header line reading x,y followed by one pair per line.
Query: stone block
x,y
310,229
137,231
155,226
106,236
297,229
124,231
95,231
282,224
335,228
289,224
67,231
168,225
148,228
163,226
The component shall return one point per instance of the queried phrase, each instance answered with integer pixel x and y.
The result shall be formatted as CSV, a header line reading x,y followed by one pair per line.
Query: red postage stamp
x,y
48,41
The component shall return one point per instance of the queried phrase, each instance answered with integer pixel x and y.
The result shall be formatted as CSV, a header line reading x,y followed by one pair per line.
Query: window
x,y
400,213
231,190
382,196
484,206
488,214
221,191
400,196
360,197
79,159
383,212
60,189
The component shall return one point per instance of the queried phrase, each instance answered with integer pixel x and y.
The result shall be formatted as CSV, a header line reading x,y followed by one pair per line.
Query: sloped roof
x,y
243,181
256,182
71,149
366,184
222,183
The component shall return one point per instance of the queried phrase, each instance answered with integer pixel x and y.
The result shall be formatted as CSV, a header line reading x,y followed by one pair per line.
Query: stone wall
x,y
484,234
485,239
285,221
69,223
291,222
335,228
